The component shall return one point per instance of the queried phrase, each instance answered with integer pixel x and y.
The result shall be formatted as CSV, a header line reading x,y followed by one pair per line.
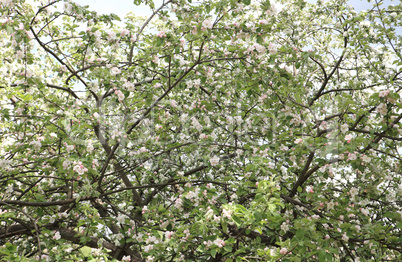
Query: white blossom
x,y
272,48
364,211
129,86
353,192
208,23
66,164
219,242
214,161
298,141
345,237
344,128
366,159
80,169
115,71
57,235
121,218
90,148
285,226
126,258
36,145
382,109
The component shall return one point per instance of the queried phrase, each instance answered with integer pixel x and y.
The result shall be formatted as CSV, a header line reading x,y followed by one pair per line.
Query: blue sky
x,y
364,5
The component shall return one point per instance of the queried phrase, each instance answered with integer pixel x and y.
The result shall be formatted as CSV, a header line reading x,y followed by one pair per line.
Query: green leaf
x,y
228,249
237,220
115,17
213,252
84,239
86,251
225,227
10,247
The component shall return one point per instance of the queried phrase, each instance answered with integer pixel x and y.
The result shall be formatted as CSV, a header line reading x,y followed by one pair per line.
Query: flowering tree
x,y
211,131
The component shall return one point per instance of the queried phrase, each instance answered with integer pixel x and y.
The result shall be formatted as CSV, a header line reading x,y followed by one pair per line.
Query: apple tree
x,y
219,130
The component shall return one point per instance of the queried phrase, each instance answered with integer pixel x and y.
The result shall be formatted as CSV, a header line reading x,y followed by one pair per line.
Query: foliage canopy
x,y
220,130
